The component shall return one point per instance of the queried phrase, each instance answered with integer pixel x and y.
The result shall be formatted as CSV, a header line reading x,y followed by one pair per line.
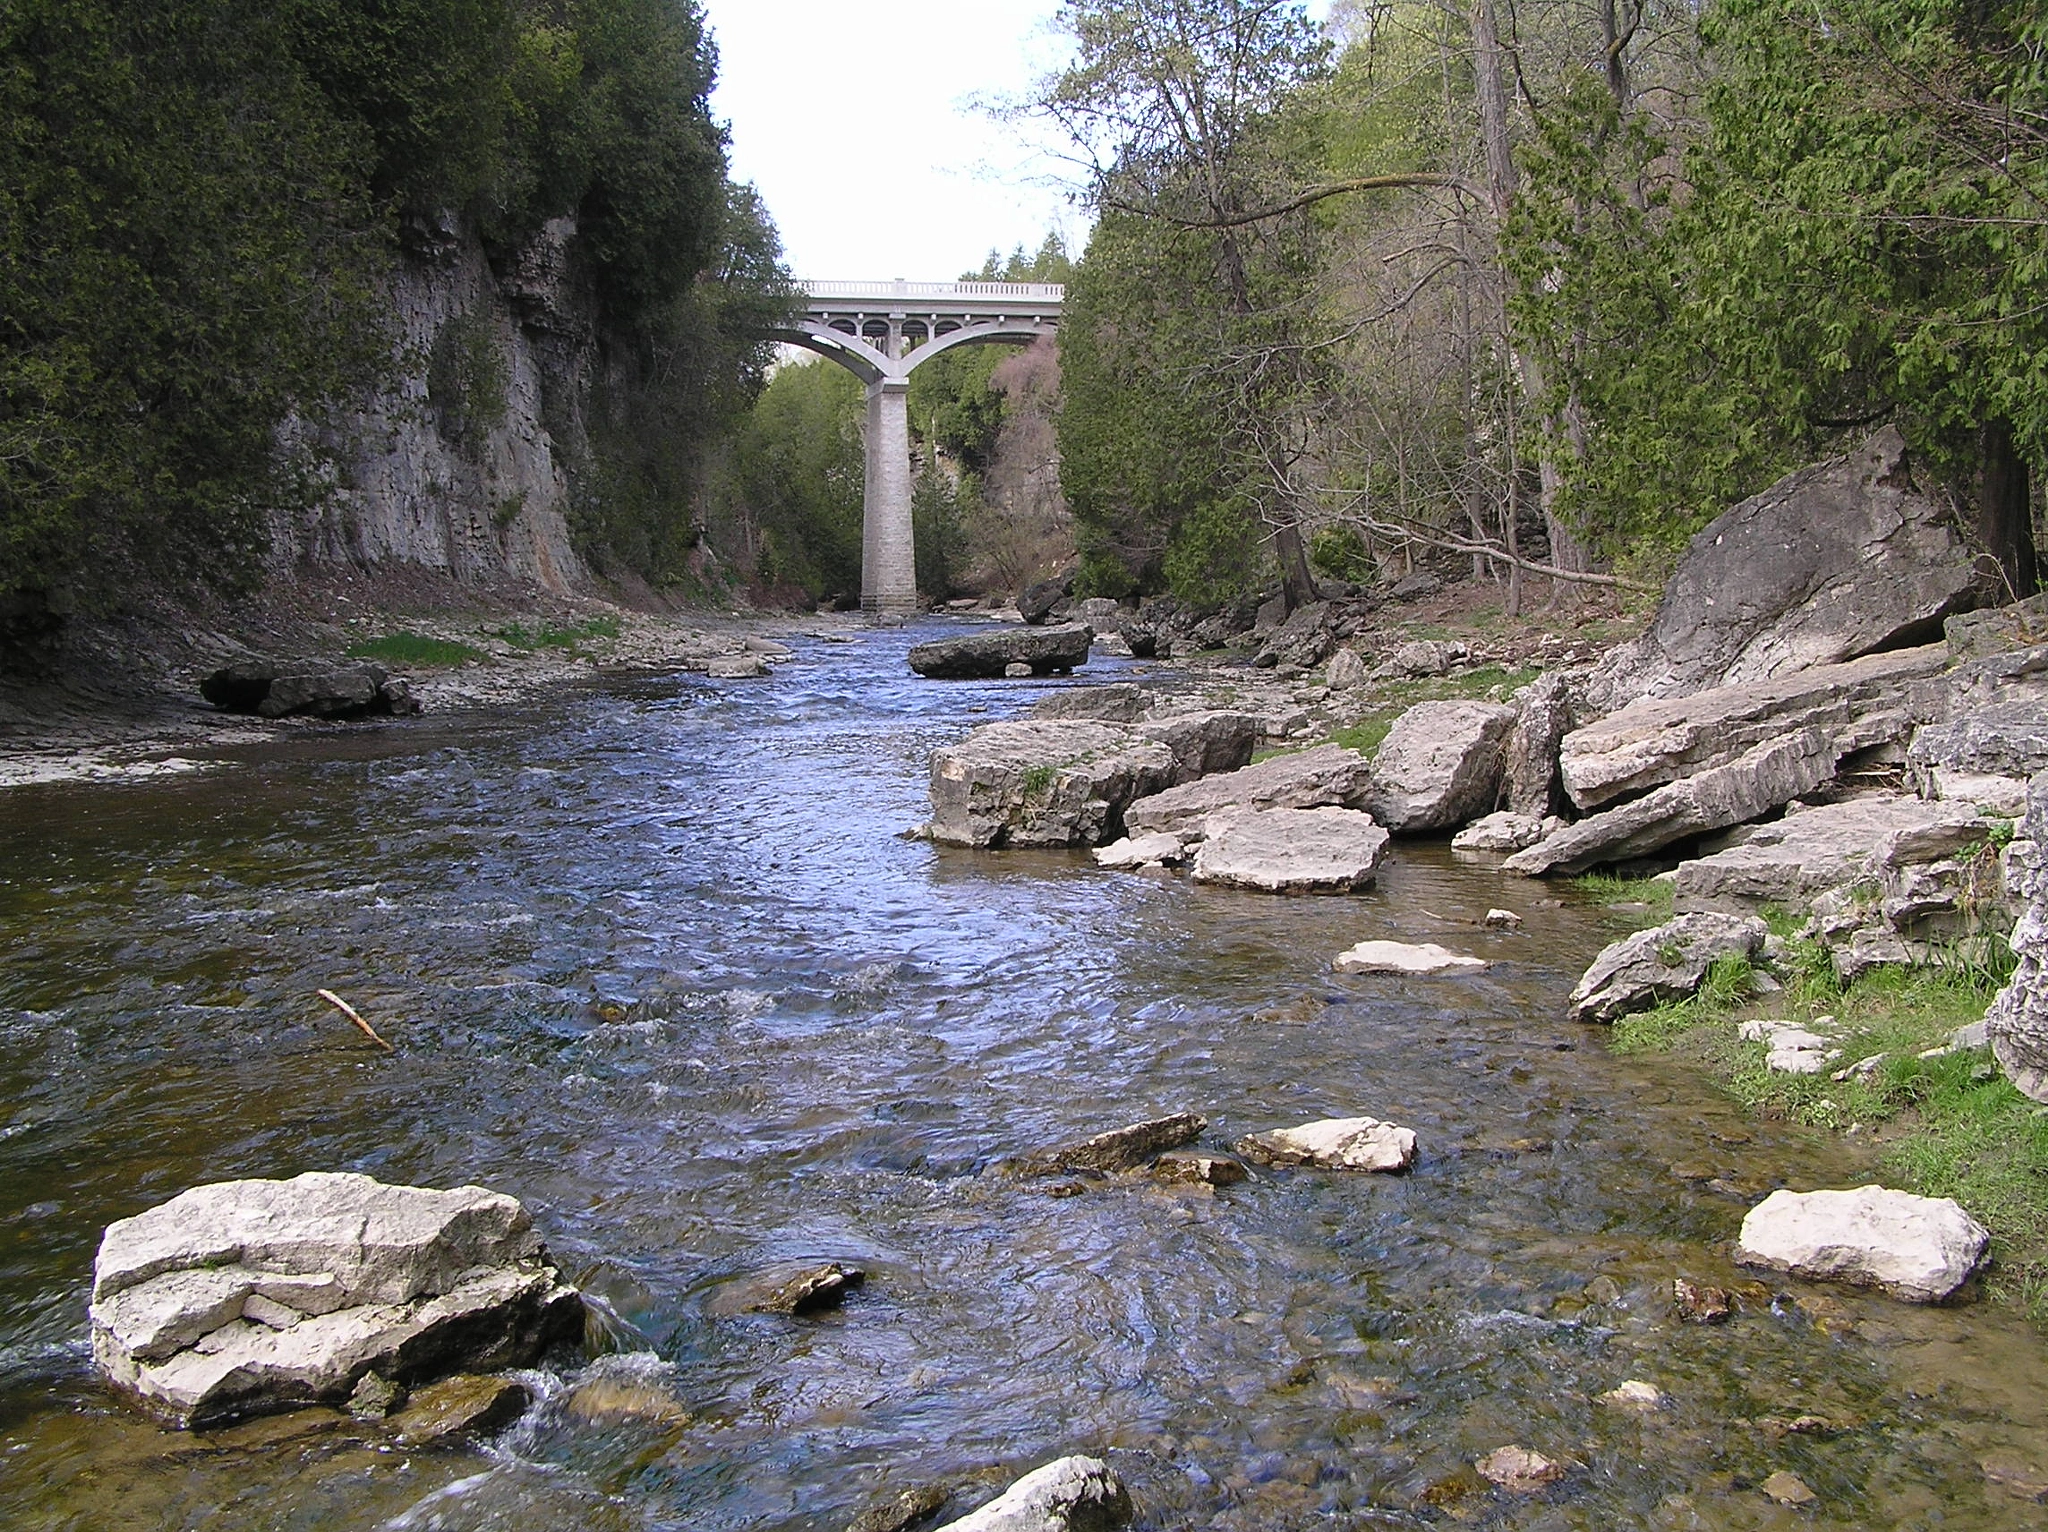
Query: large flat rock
x,y
1766,777
250,1296
1841,559
983,656
1788,861
1917,1248
1439,766
1655,740
1327,775
1282,851
1667,962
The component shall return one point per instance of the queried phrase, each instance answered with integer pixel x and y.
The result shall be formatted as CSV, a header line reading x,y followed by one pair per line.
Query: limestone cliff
x,y
461,465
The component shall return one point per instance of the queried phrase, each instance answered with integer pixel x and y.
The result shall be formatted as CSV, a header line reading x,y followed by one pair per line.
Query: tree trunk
x,y
2005,509
1297,581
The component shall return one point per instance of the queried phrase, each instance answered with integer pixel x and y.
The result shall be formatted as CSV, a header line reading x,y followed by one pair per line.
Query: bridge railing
x,y
1025,292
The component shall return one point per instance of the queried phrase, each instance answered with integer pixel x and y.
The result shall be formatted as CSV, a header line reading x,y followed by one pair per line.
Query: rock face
x,y
1917,1248
1841,559
981,656
280,689
1290,850
1335,1143
245,1297
1069,782
1326,775
1404,957
2004,739
1667,962
1072,1494
1656,740
1439,766
1773,773
2017,1022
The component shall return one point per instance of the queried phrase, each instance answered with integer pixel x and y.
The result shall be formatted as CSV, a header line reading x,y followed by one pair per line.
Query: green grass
x,y
1652,894
414,649
551,635
1951,1126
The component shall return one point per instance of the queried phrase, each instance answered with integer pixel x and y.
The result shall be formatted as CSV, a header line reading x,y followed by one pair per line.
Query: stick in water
x,y
355,1016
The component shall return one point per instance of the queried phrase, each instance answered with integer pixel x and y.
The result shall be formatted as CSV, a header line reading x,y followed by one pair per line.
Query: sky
x,y
854,118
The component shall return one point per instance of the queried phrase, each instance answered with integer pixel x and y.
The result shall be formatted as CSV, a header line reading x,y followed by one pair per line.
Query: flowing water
x,y
657,961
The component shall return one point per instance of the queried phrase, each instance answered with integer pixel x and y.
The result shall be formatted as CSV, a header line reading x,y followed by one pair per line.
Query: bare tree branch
x,y
1402,181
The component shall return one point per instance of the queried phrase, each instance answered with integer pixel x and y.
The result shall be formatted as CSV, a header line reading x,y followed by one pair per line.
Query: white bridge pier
x,y
882,332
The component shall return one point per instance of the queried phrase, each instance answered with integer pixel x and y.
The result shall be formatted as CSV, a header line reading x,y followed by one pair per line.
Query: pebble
x,y
1788,1489
1699,1303
1634,1395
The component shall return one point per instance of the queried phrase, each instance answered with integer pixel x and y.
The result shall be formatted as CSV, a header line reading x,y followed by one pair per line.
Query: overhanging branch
x,y
1400,182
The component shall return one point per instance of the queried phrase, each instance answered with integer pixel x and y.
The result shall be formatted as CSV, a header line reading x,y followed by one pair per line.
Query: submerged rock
x,y
984,656
1070,1494
464,1405
245,1297
1667,962
1198,1169
1920,1249
1335,1143
1279,851
806,1292
1404,957
1119,1149
1439,766
1518,1470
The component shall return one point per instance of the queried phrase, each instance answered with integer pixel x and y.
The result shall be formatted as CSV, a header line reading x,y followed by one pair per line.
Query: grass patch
x,y
1643,902
1951,1126
551,635
1394,698
414,649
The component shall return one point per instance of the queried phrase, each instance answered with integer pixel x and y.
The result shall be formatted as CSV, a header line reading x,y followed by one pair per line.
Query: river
x,y
657,960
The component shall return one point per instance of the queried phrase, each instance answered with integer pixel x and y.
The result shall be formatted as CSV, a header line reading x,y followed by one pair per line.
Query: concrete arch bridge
x,y
882,332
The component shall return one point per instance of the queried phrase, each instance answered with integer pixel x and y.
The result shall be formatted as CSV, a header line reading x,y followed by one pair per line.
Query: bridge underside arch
x,y
871,364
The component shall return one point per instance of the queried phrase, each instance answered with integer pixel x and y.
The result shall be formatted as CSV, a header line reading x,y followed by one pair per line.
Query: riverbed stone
x,y
1070,1494
1327,775
1498,834
1280,851
1439,766
2017,1020
1334,1143
1134,851
1425,657
1198,1169
467,1404
1667,962
904,1511
984,656
246,1297
1859,705
1207,742
737,667
280,689
1765,778
1921,1249
1518,1470
1793,1049
809,1291
1404,957
1117,1150
1844,558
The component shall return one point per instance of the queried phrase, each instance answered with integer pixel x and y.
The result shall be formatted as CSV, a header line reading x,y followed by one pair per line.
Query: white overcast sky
x,y
853,118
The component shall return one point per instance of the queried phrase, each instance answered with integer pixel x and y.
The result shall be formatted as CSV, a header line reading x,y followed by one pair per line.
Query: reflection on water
x,y
657,961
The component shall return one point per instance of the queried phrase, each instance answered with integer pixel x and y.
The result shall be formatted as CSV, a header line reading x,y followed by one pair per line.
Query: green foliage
x,y
466,382
414,649
1645,901
790,490
1341,553
554,635
936,524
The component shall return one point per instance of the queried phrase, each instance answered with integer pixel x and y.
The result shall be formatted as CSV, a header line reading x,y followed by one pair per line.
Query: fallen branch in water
x,y
355,1016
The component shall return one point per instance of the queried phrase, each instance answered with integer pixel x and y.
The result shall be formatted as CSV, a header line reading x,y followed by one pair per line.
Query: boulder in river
x,y
1921,1249
1117,1150
1840,559
1439,766
983,656
246,1297
1667,962
1502,834
1036,601
1283,851
1404,957
1328,774
279,689
1334,1143
1157,850
809,1291
1070,1494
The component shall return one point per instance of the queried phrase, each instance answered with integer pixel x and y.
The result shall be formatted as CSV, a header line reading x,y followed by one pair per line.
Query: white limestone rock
x,y
1346,671
1667,962
2017,1022
737,667
1794,1050
1439,766
1279,851
1135,851
1328,775
1404,957
1503,833
1070,1494
1920,1249
243,1297
1335,1143
1037,782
